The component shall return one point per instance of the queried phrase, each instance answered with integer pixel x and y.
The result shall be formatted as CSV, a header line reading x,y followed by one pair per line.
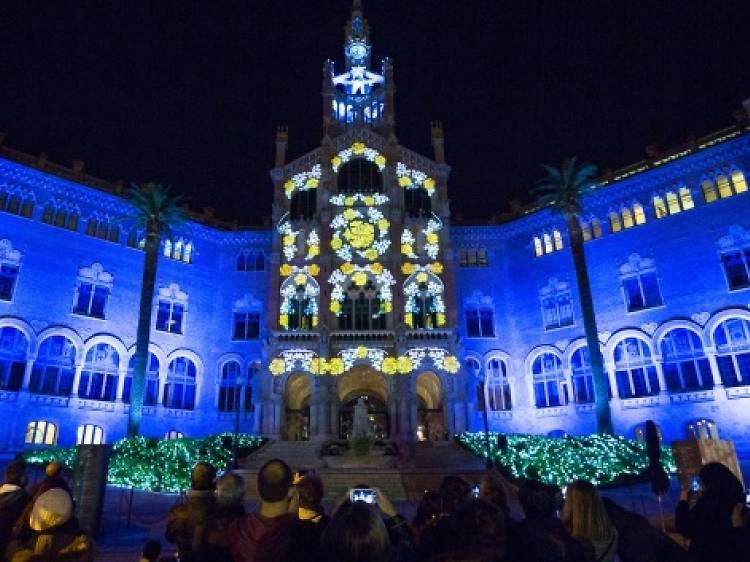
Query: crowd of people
x,y
457,523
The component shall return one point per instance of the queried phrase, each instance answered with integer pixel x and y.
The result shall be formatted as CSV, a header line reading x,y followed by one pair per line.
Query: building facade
x,y
362,288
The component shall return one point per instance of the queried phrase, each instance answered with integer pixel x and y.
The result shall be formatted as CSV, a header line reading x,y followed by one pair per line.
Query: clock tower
x,y
362,288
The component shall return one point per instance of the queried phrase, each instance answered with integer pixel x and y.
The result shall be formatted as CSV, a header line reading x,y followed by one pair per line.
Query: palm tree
x,y
156,213
563,190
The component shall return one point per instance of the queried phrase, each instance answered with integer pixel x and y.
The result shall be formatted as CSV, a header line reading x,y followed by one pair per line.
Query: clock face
x,y
358,51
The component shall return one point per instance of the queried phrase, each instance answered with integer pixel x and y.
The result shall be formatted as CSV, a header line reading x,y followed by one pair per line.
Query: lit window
x,y
548,243
635,371
709,191
178,250
89,434
361,309
557,304
596,228
686,199
92,293
173,434
548,248
586,231
640,284
59,214
170,309
685,364
480,322
17,202
136,239
230,390
246,325
732,339
738,182
627,218
639,214
538,251
725,189
497,386
615,223
548,378
100,374
103,227
54,367
703,429
660,208
640,433
179,391
14,347
41,433
10,262
151,390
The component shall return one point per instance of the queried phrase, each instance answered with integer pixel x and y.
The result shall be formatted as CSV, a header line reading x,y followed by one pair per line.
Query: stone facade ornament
x,y
701,317
649,328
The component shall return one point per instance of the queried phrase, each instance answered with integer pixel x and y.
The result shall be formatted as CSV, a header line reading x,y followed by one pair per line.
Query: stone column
x,y
719,390
393,417
122,374
610,368
76,380
663,390
27,373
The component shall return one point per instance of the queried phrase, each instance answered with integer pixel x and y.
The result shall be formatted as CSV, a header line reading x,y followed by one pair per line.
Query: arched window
x,y
660,207
249,260
54,367
173,434
424,301
151,390
708,188
639,215
92,292
497,386
299,306
673,203
179,391
703,429
303,205
640,284
615,223
178,250
739,182
582,376
725,189
171,309
627,218
557,304
360,176
17,202
538,249
361,308
136,239
99,374
548,380
417,202
41,432
480,321
686,199
634,369
89,434
229,387
732,338
14,347
684,362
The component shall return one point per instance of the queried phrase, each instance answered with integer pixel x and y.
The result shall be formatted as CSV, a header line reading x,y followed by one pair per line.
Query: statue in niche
x,y
361,427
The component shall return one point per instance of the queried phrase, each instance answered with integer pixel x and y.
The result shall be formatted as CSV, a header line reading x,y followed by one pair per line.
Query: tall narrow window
x,y
686,199
151,390
660,207
615,224
170,310
89,434
229,389
92,293
732,339
734,249
538,250
709,191
246,325
634,369
548,378
557,304
639,215
685,364
100,373
738,182
54,367
497,386
640,284
14,348
41,432
248,260
179,391
627,218
10,262
582,376
725,189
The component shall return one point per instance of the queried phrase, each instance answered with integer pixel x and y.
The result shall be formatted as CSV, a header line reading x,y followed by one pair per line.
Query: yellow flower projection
x,y
359,234
358,149
309,179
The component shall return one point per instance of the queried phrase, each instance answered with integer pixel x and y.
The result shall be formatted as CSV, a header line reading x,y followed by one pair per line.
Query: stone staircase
x,y
422,466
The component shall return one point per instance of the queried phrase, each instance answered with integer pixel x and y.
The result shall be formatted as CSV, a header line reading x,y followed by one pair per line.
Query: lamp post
x,y
483,404
239,383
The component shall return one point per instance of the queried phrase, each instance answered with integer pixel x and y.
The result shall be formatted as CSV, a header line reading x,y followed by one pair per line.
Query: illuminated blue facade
x,y
668,251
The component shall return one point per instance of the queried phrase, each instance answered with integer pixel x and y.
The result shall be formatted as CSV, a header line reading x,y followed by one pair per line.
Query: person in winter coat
x,y
210,540
267,536
312,517
186,518
54,534
587,522
13,500
708,523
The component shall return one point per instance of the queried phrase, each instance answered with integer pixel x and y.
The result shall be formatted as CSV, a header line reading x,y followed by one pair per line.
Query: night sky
x,y
190,93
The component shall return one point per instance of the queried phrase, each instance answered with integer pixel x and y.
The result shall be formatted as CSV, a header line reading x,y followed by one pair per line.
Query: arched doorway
x,y
430,419
297,399
371,386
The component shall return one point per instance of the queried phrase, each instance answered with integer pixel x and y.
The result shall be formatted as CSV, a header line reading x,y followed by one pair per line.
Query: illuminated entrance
x,y
430,418
298,393
366,383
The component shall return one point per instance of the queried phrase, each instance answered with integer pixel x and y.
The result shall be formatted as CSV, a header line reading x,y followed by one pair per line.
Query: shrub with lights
x,y
598,458
157,465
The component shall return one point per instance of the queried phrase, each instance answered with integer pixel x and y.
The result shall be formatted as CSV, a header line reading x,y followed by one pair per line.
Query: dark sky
x,y
189,93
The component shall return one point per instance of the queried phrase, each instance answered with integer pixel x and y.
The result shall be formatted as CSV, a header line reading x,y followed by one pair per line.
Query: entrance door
x,y
297,418
430,415
377,413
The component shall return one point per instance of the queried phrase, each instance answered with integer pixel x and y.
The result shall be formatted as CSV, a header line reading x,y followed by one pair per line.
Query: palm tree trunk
x,y
143,336
601,394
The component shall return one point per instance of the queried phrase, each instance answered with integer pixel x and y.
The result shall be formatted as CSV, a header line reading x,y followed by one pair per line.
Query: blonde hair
x,y
584,516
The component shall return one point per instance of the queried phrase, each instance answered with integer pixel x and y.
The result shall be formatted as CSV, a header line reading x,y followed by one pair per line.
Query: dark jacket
x,y
13,502
66,543
255,538
211,541
542,540
186,519
708,528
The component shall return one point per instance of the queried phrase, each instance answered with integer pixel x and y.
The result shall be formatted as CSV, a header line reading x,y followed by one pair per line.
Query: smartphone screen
x,y
747,497
367,495
695,484
475,489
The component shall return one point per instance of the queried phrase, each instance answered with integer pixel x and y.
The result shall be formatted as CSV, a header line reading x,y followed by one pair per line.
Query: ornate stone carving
x,y
701,317
649,327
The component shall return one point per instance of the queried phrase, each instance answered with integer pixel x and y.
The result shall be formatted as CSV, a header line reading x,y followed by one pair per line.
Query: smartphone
x,y
564,492
695,484
747,497
475,489
367,495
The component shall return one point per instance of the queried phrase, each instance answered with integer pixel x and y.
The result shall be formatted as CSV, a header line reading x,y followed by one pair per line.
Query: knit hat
x,y
51,509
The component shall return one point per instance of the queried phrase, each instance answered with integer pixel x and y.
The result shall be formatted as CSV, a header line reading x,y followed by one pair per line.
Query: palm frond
x,y
564,187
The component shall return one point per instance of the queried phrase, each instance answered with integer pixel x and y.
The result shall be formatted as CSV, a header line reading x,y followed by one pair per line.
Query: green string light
x,y
598,458
157,465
